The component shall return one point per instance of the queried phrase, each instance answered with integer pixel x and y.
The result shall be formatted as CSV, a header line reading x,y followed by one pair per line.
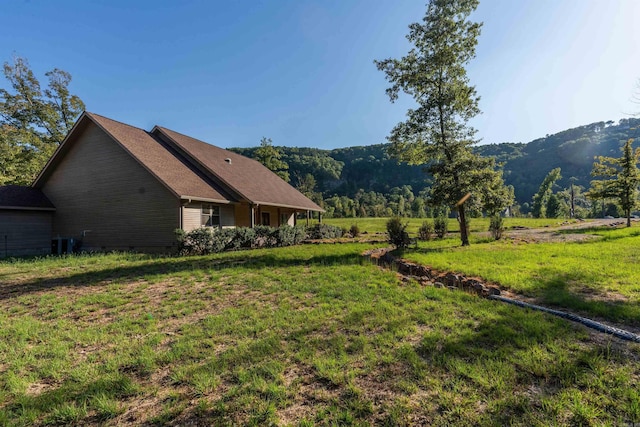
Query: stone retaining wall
x,y
428,276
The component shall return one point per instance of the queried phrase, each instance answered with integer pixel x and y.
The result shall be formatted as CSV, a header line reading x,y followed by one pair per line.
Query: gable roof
x,y
21,197
177,175
247,177
189,168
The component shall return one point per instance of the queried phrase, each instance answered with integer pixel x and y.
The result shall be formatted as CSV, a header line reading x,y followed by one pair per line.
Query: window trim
x,y
208,213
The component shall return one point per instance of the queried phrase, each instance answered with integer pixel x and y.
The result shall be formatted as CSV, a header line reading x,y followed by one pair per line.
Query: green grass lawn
x,y
599,278
378,225
307,335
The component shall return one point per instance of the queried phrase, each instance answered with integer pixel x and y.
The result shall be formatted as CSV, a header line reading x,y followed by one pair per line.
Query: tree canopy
x,y
436,132
33,121
620,178
270,156
545,191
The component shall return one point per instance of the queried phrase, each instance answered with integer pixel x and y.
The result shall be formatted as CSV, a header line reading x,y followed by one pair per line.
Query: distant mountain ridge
x,y
344,171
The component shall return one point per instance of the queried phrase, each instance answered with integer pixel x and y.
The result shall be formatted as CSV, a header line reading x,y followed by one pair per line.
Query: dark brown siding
x,y
25,232
100,188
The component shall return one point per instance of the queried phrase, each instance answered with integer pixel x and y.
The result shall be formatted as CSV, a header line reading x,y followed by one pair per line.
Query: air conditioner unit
x,y
62,245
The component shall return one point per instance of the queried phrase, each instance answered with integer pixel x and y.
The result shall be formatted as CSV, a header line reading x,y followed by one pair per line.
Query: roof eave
x,y
302,208
205,199
26,208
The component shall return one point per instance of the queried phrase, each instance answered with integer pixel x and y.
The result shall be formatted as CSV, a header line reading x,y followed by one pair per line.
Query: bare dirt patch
x,y
561,233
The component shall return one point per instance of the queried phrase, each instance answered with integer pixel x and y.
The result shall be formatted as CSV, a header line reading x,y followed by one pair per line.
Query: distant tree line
x,y
366,182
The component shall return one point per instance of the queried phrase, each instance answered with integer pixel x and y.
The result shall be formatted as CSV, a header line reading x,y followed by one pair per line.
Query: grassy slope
x,y
300,336
596,277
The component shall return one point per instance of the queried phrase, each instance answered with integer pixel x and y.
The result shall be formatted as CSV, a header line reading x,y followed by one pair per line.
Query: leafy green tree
x,y
574,202
541,198
33,122
418,207
270,156
620,178
436,132
554,206
306,184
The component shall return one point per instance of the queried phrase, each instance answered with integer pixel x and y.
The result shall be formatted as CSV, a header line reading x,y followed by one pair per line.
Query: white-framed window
x,y
210,216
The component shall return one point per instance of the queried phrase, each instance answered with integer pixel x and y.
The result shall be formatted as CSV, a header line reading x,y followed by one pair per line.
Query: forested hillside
x,y
572,151
353,181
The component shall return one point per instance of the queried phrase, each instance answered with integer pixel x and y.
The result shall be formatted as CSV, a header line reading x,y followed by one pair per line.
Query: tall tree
x,y
33,122
306,184
541,198
436,131
271,157
620,178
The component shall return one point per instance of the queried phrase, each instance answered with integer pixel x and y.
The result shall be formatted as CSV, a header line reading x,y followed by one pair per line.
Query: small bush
x,y
425,232
440,226
181,236
496,226
397,233
285,235
243,237
354,230
264,237
203,241
195,242
221,239
324,231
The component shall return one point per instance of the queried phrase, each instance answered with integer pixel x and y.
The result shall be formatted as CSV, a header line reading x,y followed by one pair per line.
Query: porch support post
x,y
252,214
307,218
320,217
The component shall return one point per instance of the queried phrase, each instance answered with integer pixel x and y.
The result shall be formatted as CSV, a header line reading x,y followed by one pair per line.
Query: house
x,y
111,186
26,218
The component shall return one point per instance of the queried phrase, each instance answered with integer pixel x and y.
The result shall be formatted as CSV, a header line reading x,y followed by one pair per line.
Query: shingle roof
x,y
191,168
178,175
246,176
20,197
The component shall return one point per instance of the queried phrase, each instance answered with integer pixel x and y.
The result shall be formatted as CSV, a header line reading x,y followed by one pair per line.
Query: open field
x,y
378,225
291,336
598,277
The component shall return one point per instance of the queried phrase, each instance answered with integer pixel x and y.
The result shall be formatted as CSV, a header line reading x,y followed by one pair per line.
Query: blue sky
x,y
301,72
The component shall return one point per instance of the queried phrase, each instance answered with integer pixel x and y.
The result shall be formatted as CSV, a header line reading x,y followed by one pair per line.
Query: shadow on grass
x,y
508,358
511,361
66,404
564,291
544,368
171,265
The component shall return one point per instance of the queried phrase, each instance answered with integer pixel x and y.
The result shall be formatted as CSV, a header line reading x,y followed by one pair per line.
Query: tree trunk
x,y
573,206
464,237
628,212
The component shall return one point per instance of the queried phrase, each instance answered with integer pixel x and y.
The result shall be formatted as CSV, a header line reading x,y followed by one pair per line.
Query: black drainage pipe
x,y
619,333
